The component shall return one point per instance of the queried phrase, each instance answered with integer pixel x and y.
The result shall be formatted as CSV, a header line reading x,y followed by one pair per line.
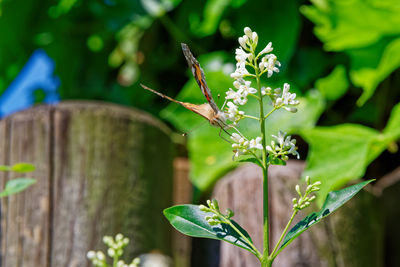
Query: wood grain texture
x,y
102,169
350,237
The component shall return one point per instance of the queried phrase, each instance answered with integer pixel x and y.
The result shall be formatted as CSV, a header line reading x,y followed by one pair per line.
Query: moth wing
x,y
199,76
204,110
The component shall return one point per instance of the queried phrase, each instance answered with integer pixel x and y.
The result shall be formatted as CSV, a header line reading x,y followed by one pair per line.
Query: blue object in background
x,y
36,74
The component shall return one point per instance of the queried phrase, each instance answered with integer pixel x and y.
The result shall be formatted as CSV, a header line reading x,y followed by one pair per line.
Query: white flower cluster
x,y
115,250
243,146
98,258
115,247
242,88
283,146
281,99
305,201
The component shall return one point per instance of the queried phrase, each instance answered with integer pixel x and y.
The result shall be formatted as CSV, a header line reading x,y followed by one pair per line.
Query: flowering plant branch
x,y
208,221
115,250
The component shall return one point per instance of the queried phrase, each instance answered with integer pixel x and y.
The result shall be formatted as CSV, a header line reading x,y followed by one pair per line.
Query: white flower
x,y
111,252
268,63
285,145
285,99
288,98
233,113
267,49
240,71
248,32
91,255
237,97
236,137
251,36
265,90
100,255
240,145
246,89
243,41
242,56
256,143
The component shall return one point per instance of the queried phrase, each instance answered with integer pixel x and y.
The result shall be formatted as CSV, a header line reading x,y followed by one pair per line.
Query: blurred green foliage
x,y
341,58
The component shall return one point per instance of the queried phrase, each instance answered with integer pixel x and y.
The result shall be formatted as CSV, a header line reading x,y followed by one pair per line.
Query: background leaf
x,y
335,85
370,40
339,154
16,185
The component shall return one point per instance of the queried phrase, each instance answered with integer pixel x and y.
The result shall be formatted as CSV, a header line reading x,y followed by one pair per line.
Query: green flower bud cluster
x,y
217,217
115,250
305,200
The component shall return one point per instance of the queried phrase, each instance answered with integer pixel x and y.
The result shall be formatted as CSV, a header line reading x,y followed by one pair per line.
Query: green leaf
x,y
333,201
339,154
213,11
16,185
337,26
18,167
392,129
190,220
371,40
369,77
334,85
251,159
23,167
284,35
276,161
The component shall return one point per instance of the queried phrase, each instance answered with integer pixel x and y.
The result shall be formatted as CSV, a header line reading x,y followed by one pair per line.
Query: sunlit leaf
x,y
23,167
339,28
333,201
190,220
339,154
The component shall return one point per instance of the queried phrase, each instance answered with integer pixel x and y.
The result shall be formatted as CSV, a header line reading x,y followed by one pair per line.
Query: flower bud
x,y
111,252
254,37
91,255
100,255
215,204
203,208
230,213
248,32
243,40
298,189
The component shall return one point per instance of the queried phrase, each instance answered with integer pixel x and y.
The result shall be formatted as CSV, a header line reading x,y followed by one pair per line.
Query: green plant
x,y
115,250
18,184
208,221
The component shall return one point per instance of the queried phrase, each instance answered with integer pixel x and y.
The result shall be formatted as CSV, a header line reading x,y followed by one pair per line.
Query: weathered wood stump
x,y
102,169
351,237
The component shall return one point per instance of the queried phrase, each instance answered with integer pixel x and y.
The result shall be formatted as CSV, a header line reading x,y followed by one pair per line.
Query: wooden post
x,y
350,237
102,169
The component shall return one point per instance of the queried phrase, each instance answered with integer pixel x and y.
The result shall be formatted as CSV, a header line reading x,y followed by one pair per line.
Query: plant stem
x,y
265,260
251,117
272,257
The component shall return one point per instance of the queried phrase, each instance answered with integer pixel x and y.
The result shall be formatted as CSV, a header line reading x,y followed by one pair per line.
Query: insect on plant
x,y
207,221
